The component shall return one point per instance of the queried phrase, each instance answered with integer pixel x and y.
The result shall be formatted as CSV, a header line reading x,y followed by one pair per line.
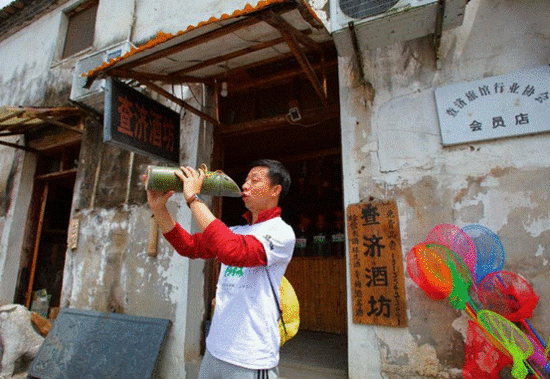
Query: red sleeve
x,y
234,249
187,245
218,241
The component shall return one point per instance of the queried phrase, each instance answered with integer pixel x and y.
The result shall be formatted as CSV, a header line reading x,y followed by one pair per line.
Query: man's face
x,y
258,192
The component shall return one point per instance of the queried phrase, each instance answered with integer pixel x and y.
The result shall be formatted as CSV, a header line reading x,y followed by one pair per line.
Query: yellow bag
x,y
290,311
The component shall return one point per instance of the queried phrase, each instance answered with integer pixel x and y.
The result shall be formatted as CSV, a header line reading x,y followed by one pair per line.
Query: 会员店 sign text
x,y
497,107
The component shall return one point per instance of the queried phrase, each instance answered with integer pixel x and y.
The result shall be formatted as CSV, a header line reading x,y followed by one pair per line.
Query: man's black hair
x,y
277,173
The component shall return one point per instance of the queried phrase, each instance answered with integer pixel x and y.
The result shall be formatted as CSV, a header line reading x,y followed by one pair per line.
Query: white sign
x,y
497,107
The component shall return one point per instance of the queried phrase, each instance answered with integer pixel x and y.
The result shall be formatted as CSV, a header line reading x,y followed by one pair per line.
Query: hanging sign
x,y
497,107
135,122
376,264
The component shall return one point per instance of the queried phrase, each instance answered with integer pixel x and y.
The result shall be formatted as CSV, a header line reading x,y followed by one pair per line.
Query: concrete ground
x,y
314,355
309,355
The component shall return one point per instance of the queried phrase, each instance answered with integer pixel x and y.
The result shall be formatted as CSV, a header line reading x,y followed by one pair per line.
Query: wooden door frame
x,y
41,186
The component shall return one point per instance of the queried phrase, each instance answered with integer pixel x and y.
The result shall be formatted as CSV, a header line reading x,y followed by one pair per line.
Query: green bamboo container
x,y
163,179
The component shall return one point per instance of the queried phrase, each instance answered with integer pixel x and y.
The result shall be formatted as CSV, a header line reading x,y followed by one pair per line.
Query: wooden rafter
x,y
22,147
276,121
280,76
253,65
291,35
279,22
207,37
151,65
226,57
124,73
194,42
51,120
161,91
12,115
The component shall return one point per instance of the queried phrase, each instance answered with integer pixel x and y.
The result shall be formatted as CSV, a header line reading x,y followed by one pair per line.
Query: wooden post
x,y
43,200
152,240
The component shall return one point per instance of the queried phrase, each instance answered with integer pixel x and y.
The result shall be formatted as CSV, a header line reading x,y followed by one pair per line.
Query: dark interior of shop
x,y
261,124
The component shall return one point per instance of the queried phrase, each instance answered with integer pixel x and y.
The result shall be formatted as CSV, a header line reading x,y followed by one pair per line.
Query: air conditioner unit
x,y
93,97
384,22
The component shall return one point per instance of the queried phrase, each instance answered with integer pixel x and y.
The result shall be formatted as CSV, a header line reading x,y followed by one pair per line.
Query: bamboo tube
x,y
164,179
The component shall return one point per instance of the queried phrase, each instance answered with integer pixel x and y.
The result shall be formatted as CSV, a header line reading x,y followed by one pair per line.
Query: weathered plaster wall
x,y
11,242
396,153
7,173
26,59
110,271
171,17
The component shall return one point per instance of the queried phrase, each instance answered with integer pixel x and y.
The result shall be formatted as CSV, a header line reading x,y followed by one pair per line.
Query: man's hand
x,y
158,200
192,180
157,203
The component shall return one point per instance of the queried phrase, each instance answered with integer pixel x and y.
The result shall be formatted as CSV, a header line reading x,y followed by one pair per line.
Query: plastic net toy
x,y
440,273
429,271
511,338
508,294
455,239
489,250
538,358
481,358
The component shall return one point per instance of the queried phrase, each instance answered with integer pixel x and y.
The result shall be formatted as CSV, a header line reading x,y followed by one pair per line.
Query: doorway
x,y
285,120
41,272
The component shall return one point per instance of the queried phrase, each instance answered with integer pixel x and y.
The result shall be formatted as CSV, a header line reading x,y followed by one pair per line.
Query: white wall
x,y
396,154
14,225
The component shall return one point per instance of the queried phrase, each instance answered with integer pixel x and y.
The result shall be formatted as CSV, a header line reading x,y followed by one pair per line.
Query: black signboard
x,y
137,123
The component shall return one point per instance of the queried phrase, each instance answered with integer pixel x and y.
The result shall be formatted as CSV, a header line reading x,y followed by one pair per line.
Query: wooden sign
x,y
137,123
376,264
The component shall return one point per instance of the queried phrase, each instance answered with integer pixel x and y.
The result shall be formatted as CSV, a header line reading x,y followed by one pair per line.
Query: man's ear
x,y
276,190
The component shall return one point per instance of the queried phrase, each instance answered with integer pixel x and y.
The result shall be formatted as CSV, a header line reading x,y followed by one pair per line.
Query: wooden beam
x,y
177,48
278,22
226,57
217,33
280,76
161,91
246,21
291,159
276,121
14,145
306,66
36,247
58,175
239,71
9,117
10,133
292,40
53,121
169,78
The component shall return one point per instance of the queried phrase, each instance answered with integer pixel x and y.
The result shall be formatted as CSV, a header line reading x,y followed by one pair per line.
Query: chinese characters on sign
x,y
377,279
497,107
135,122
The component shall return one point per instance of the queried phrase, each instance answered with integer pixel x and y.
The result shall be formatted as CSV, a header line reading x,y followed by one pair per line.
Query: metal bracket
x,y
438,32
357,52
